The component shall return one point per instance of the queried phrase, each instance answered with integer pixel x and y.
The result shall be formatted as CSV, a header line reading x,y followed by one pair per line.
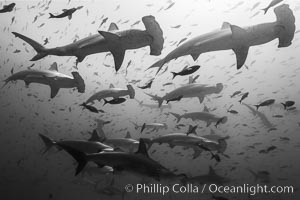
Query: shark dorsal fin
x,y
211,171
111,86
113,27
53,67
142,148
225,25
128,135
94,137
109,36
205,109
238,33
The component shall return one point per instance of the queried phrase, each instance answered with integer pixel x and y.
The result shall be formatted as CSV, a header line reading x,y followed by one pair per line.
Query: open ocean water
x,y
266,143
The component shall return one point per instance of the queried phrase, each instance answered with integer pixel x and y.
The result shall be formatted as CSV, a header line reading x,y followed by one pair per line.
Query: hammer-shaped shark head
x,y
285,25
79,82
219,87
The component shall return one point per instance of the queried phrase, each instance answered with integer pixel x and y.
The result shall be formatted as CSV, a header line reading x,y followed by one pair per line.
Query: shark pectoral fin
x,y
70,17
239,35
195,56
201,98
197,153
54,91
225,25
118,55
241,55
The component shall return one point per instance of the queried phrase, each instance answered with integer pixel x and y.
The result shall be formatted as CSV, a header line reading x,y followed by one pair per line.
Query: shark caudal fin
x,y
131,91
80,157
47,141
80,85
159,64
156,98
178,117
41,51
51,15
153,28
285,25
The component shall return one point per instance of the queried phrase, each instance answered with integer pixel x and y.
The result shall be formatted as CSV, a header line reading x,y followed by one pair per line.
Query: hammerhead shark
x,y
138,163
189,91
112,92
238,39
49,77
114,41
204,116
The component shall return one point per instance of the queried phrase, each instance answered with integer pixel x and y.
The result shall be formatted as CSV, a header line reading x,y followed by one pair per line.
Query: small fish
x,y
272,129
148,85
91,108
235,93
265,103
278,116
219,121
46,41
103,21
186,71
216,157
291,108
175,99
192,130
288,104
233,111
273,3
8,8
114,101
245,95
169,83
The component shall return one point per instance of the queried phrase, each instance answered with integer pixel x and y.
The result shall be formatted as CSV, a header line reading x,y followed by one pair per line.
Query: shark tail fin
x,y
285,25
105,102
158,64
51,15
153,28
79,82
156,98
80,157
131,91
40,49
284,105
178,117
47,141
174,74
265,10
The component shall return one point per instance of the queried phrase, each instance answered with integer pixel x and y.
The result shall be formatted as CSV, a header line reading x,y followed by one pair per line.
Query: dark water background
x,y
25,112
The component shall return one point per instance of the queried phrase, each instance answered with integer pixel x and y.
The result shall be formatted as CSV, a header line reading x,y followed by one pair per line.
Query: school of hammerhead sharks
x,y
128,154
